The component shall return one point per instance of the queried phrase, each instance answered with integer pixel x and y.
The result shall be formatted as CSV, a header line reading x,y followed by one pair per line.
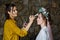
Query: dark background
x,y
28,7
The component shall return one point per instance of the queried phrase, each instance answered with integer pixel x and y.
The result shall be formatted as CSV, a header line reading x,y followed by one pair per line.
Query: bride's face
x,y
40,19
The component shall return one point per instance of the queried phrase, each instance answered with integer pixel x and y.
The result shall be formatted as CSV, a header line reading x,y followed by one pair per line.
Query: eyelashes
x,y
38,17
15,10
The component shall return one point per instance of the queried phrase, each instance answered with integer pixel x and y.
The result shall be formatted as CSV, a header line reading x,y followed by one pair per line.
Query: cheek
x,y
38,21
14,13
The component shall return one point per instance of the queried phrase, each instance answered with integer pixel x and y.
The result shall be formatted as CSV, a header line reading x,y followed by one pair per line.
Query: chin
x,y
38,24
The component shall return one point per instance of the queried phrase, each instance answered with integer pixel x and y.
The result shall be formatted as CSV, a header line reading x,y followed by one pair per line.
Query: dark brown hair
x,y
49,18
8,8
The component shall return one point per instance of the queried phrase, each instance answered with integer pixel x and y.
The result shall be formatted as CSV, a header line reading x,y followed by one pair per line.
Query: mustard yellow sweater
x,y
11,31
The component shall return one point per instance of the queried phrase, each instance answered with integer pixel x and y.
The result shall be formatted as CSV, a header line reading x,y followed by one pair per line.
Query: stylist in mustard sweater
x,y
11,30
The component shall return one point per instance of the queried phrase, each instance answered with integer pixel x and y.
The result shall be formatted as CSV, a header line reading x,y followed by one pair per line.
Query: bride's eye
x,y
14,10
39,17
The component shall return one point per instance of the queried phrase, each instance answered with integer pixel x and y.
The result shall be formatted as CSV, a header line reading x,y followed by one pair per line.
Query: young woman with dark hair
x,y
11,30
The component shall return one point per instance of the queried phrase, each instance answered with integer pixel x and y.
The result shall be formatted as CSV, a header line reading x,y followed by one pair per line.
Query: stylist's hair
x,y
8,8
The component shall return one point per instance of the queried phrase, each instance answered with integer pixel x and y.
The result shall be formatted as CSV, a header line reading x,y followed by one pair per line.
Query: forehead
x,y
40,15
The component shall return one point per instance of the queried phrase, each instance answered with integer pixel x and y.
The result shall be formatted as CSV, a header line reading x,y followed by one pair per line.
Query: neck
x,y
12,17
43,24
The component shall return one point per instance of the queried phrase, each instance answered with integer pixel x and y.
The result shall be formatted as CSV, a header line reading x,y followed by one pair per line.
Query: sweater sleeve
x,y
16,29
